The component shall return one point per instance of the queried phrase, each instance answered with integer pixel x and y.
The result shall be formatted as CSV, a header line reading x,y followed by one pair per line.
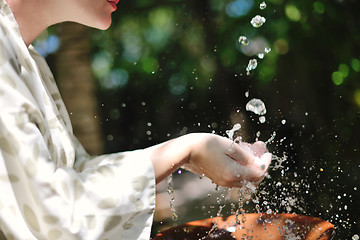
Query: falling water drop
x,y
231,132
262,5
262,119
283,121
251,66
260,55
174,217
243,40
171,193
267,49
256,106
257,21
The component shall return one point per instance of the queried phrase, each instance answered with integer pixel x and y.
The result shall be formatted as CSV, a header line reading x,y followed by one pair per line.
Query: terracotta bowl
x,y
253,226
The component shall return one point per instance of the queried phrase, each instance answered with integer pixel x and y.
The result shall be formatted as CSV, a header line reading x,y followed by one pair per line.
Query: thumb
x,y
263,162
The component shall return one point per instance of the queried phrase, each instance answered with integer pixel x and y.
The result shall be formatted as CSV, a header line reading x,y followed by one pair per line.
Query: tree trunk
x,y
77,85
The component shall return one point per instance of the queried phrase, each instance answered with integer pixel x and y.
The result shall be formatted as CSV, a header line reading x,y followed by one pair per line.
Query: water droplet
x,y
231,132
267,49
171,193
256,106
247,93
243,40
260,55
251,66
110,137
257,21
355,237
273,135
231,229
262,5
174,217
283,121
262,119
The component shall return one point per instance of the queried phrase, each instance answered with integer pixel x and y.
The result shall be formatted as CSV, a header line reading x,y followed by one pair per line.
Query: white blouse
x,y
50,188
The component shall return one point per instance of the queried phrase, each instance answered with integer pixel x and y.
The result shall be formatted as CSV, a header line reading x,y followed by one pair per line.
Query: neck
x,y
31,20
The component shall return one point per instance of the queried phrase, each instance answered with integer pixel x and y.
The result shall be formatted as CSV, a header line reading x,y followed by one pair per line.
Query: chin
x,y
104,26
101,25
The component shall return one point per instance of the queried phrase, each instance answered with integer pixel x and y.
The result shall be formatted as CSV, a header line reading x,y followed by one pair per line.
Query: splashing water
x,y
257,21
267,50
226,197
244,194
262,5
262,119
171,193
261,199
251,66
256,106
271,139
231,132
243,40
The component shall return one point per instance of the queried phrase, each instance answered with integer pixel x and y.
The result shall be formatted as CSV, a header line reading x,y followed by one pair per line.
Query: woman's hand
x,y
225,162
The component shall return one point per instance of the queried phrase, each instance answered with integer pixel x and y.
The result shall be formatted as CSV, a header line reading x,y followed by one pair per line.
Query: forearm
x,y
169,156
218,158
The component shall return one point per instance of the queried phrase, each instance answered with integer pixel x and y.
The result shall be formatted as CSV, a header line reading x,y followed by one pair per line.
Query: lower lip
x,y
113,5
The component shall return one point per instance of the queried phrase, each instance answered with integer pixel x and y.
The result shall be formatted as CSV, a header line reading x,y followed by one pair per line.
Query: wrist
x,y
192,143
171,155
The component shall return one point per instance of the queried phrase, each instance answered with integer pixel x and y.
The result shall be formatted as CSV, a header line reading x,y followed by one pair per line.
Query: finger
x,y
255,173
265,159
239,155
259,148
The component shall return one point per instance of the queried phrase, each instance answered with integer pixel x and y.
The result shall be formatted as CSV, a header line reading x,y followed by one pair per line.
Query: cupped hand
x,y
225,162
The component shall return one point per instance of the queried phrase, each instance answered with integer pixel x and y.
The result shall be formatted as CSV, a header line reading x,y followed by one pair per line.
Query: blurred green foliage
x,y
170,67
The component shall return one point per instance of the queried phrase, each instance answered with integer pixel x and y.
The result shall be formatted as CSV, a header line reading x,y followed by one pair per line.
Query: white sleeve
x,y
106,197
